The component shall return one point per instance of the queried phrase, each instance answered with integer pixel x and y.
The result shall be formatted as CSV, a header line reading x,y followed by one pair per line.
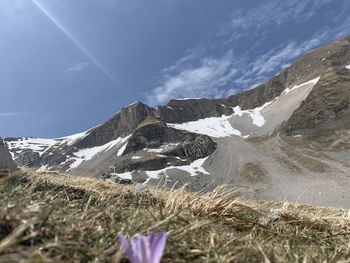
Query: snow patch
x,y
136,157
193,169
34,144
89,153
189,99
122,149
43,169
254,114
313,82
163,148
125,176
69,140
348,66
216,127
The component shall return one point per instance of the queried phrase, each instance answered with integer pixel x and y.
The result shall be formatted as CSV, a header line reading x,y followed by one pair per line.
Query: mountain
x,y
7,165
288,138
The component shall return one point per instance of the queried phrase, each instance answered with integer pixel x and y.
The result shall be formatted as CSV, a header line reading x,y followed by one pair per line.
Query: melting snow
x,y
89,153
215,127
34,144
255,114
193,169
313,82
125,176
122,149
72,138
188,99
163,148
40,145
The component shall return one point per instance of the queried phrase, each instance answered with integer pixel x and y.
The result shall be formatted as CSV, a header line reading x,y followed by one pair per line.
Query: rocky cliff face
x,y
6,162
121,125
153,133
178,111
159,146
326,110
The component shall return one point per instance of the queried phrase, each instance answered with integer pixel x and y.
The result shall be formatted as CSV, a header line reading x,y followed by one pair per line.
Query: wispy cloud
x,y
274,12
200,74
13,113
205,80
80,66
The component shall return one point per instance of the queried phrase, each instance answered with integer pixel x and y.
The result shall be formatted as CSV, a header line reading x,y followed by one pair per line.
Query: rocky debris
x,y
253,173
326,110
6,162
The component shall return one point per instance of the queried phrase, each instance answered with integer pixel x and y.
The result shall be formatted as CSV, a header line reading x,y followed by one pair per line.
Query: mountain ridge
x,y
206,142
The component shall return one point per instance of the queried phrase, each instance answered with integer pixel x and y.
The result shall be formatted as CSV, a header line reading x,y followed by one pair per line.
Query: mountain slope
x,y
287,138
6,163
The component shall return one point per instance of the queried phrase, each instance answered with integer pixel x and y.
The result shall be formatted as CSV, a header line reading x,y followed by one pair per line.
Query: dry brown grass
x,y
54,218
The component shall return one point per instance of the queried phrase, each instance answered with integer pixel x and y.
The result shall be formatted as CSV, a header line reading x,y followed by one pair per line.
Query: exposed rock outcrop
x,y
327,108
178,111
163,146
121,125
6,162
153,133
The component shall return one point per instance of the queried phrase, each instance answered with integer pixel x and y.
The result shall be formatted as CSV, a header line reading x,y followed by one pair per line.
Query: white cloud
x,y
189,81
224,76
275,12
199,74
80,66
13,114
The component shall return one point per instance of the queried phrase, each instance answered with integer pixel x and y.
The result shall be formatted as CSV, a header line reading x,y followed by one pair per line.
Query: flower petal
x,y
128,249
136,249
124,242
146,250
157,247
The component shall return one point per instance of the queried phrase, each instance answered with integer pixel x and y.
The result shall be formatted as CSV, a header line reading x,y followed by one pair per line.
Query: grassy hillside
x,y
55,218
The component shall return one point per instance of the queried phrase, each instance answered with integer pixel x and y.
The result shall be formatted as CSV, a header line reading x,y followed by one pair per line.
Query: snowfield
x,y
35,144
216,127
193,169
255,114
40,145
89,153
220,127
313,82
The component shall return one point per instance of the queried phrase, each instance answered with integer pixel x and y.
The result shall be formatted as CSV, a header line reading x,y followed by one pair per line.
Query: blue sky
x,y
69,65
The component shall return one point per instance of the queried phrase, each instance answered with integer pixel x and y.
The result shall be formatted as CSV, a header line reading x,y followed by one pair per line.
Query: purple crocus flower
x,y
144,249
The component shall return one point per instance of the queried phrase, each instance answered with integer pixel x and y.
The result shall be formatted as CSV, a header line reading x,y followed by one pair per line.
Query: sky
x,y
67,66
